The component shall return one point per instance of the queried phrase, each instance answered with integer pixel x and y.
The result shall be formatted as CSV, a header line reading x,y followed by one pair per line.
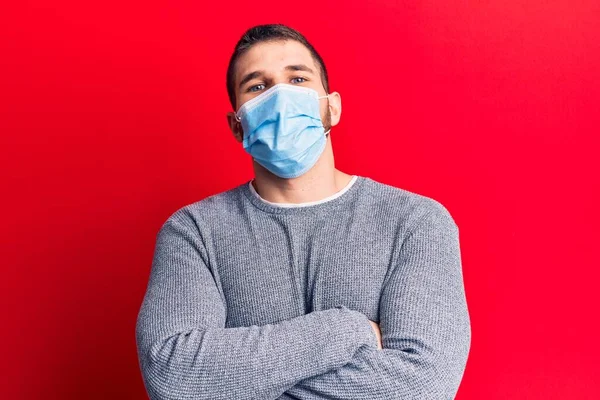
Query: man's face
x,y
269,63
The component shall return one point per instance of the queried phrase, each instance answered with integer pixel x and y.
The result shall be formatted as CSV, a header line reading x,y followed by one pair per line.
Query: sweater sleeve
x,y
424,322
185,351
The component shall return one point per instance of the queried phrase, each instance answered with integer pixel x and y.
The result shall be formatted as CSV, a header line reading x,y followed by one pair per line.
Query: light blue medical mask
x,y
283,130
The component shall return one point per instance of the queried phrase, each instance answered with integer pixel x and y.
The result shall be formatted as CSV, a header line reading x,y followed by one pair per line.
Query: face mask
x,y
283,130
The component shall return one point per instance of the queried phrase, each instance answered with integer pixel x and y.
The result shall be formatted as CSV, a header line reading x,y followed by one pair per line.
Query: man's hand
x,y
375,327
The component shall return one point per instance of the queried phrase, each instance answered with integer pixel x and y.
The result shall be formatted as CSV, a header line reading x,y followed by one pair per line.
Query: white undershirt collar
x,y
309,203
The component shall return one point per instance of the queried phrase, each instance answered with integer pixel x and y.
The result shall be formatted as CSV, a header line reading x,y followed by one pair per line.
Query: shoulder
x,y
208,210
397,203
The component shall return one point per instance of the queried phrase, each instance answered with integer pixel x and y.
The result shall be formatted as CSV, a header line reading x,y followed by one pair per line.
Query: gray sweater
x,y
248,299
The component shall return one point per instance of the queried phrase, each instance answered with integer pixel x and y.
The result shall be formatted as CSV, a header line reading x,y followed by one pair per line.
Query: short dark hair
x,y
266,33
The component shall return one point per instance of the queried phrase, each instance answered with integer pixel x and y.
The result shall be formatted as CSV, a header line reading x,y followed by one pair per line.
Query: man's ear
x,y
235,126
335,107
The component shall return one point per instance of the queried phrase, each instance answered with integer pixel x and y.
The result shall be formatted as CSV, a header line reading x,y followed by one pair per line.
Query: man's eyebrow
x,y
250,76
299,67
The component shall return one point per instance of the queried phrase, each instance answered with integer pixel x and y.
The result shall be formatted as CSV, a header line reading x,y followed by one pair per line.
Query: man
x,y
305,282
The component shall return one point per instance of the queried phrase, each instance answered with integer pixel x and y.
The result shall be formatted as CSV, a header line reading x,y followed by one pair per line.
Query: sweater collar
x,y
334,200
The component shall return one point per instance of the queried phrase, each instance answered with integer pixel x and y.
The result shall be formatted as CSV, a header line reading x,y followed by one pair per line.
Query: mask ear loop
x,y
319,98
238,119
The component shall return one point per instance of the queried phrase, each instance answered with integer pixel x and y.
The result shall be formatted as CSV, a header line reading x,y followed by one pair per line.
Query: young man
x,y
306,282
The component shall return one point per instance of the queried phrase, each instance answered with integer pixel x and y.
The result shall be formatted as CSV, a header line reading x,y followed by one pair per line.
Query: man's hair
x,y
269,33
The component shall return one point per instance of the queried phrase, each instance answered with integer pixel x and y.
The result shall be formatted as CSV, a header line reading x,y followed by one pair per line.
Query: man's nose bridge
x,y
275,79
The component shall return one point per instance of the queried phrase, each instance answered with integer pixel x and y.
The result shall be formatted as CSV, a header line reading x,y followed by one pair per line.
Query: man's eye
x,y
299,77
255,88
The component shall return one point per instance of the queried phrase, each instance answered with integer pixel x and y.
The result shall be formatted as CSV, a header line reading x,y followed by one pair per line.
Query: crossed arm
x,y
424,322
185,352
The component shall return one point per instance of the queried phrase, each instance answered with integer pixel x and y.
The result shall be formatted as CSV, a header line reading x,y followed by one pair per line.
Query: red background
x,y
113,116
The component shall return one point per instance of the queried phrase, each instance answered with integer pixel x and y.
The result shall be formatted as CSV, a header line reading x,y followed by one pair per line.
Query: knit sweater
x,y
249,299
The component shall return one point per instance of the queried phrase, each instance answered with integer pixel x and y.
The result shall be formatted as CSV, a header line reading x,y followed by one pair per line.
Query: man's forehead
x,y
274,56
